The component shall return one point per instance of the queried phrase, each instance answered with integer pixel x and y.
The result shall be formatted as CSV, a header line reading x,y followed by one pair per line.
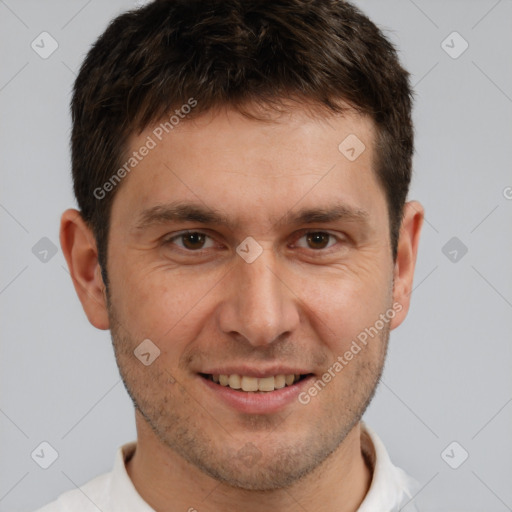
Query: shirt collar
x,y
124,496
391,488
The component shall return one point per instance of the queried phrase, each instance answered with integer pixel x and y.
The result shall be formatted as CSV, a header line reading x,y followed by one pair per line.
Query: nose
x,y
259,305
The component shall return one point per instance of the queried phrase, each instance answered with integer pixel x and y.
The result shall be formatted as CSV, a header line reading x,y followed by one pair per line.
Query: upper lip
x,y
259,373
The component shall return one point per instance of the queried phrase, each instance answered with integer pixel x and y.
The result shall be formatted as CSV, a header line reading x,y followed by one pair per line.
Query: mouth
x,y
248,384
251,390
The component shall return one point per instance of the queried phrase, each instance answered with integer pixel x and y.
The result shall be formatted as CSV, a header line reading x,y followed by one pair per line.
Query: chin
x,y
269,469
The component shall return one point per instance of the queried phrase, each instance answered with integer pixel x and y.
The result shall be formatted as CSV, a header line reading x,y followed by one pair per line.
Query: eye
x,y
191,241
317,240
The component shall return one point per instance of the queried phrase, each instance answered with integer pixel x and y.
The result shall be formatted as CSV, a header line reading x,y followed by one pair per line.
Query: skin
x,y
300,303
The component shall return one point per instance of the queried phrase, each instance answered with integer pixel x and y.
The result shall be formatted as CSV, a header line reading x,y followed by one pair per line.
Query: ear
x,y
79,248
405,263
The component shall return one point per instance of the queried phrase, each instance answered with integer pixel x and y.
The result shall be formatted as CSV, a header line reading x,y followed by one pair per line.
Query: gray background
x,y
448,373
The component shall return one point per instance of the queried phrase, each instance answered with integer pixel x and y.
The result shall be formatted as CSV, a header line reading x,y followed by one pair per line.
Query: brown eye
x,y
193,241
318,240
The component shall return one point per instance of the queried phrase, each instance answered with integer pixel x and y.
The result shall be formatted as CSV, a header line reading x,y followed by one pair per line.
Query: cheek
x,y
160,305
341,308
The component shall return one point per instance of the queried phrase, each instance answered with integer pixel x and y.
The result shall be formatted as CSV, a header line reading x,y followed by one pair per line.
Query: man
x,y
241,169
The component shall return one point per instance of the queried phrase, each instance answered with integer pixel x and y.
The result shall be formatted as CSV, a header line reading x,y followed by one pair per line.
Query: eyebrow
x,y
192,212
180,212
325,215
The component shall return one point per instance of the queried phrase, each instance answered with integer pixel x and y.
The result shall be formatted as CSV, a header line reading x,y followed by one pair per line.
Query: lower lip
x,y
257,402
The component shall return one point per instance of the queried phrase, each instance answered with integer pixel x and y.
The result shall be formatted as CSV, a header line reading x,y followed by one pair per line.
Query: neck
x,y
169,483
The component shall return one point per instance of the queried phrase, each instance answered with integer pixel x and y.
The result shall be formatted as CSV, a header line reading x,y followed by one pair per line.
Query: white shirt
x,y
390,489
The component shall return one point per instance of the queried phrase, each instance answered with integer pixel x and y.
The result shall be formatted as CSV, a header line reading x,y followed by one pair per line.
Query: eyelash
x,y
302,234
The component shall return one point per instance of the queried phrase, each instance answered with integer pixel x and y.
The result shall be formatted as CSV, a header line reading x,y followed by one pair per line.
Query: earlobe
x,y
405,263
79,248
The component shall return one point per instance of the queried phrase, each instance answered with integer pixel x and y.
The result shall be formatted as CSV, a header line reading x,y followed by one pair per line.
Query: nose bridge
x,y
258,305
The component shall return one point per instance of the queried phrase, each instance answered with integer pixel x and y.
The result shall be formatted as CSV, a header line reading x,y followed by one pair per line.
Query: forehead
x,y
253,168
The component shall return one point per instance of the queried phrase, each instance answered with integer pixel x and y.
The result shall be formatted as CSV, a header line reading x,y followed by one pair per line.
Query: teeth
x,y
244,383
266,384
279,381
235,382
249,384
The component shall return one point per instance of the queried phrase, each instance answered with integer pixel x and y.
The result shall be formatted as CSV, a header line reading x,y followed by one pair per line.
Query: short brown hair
x,y
234,52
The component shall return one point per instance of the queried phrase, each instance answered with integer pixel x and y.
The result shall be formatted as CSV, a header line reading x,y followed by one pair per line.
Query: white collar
x,y
123,496
391,488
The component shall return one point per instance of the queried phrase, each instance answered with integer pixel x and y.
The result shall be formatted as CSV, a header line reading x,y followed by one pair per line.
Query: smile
x,y
254,384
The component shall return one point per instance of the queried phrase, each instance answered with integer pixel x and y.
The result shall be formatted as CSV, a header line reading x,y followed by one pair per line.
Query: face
x,y
249,252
